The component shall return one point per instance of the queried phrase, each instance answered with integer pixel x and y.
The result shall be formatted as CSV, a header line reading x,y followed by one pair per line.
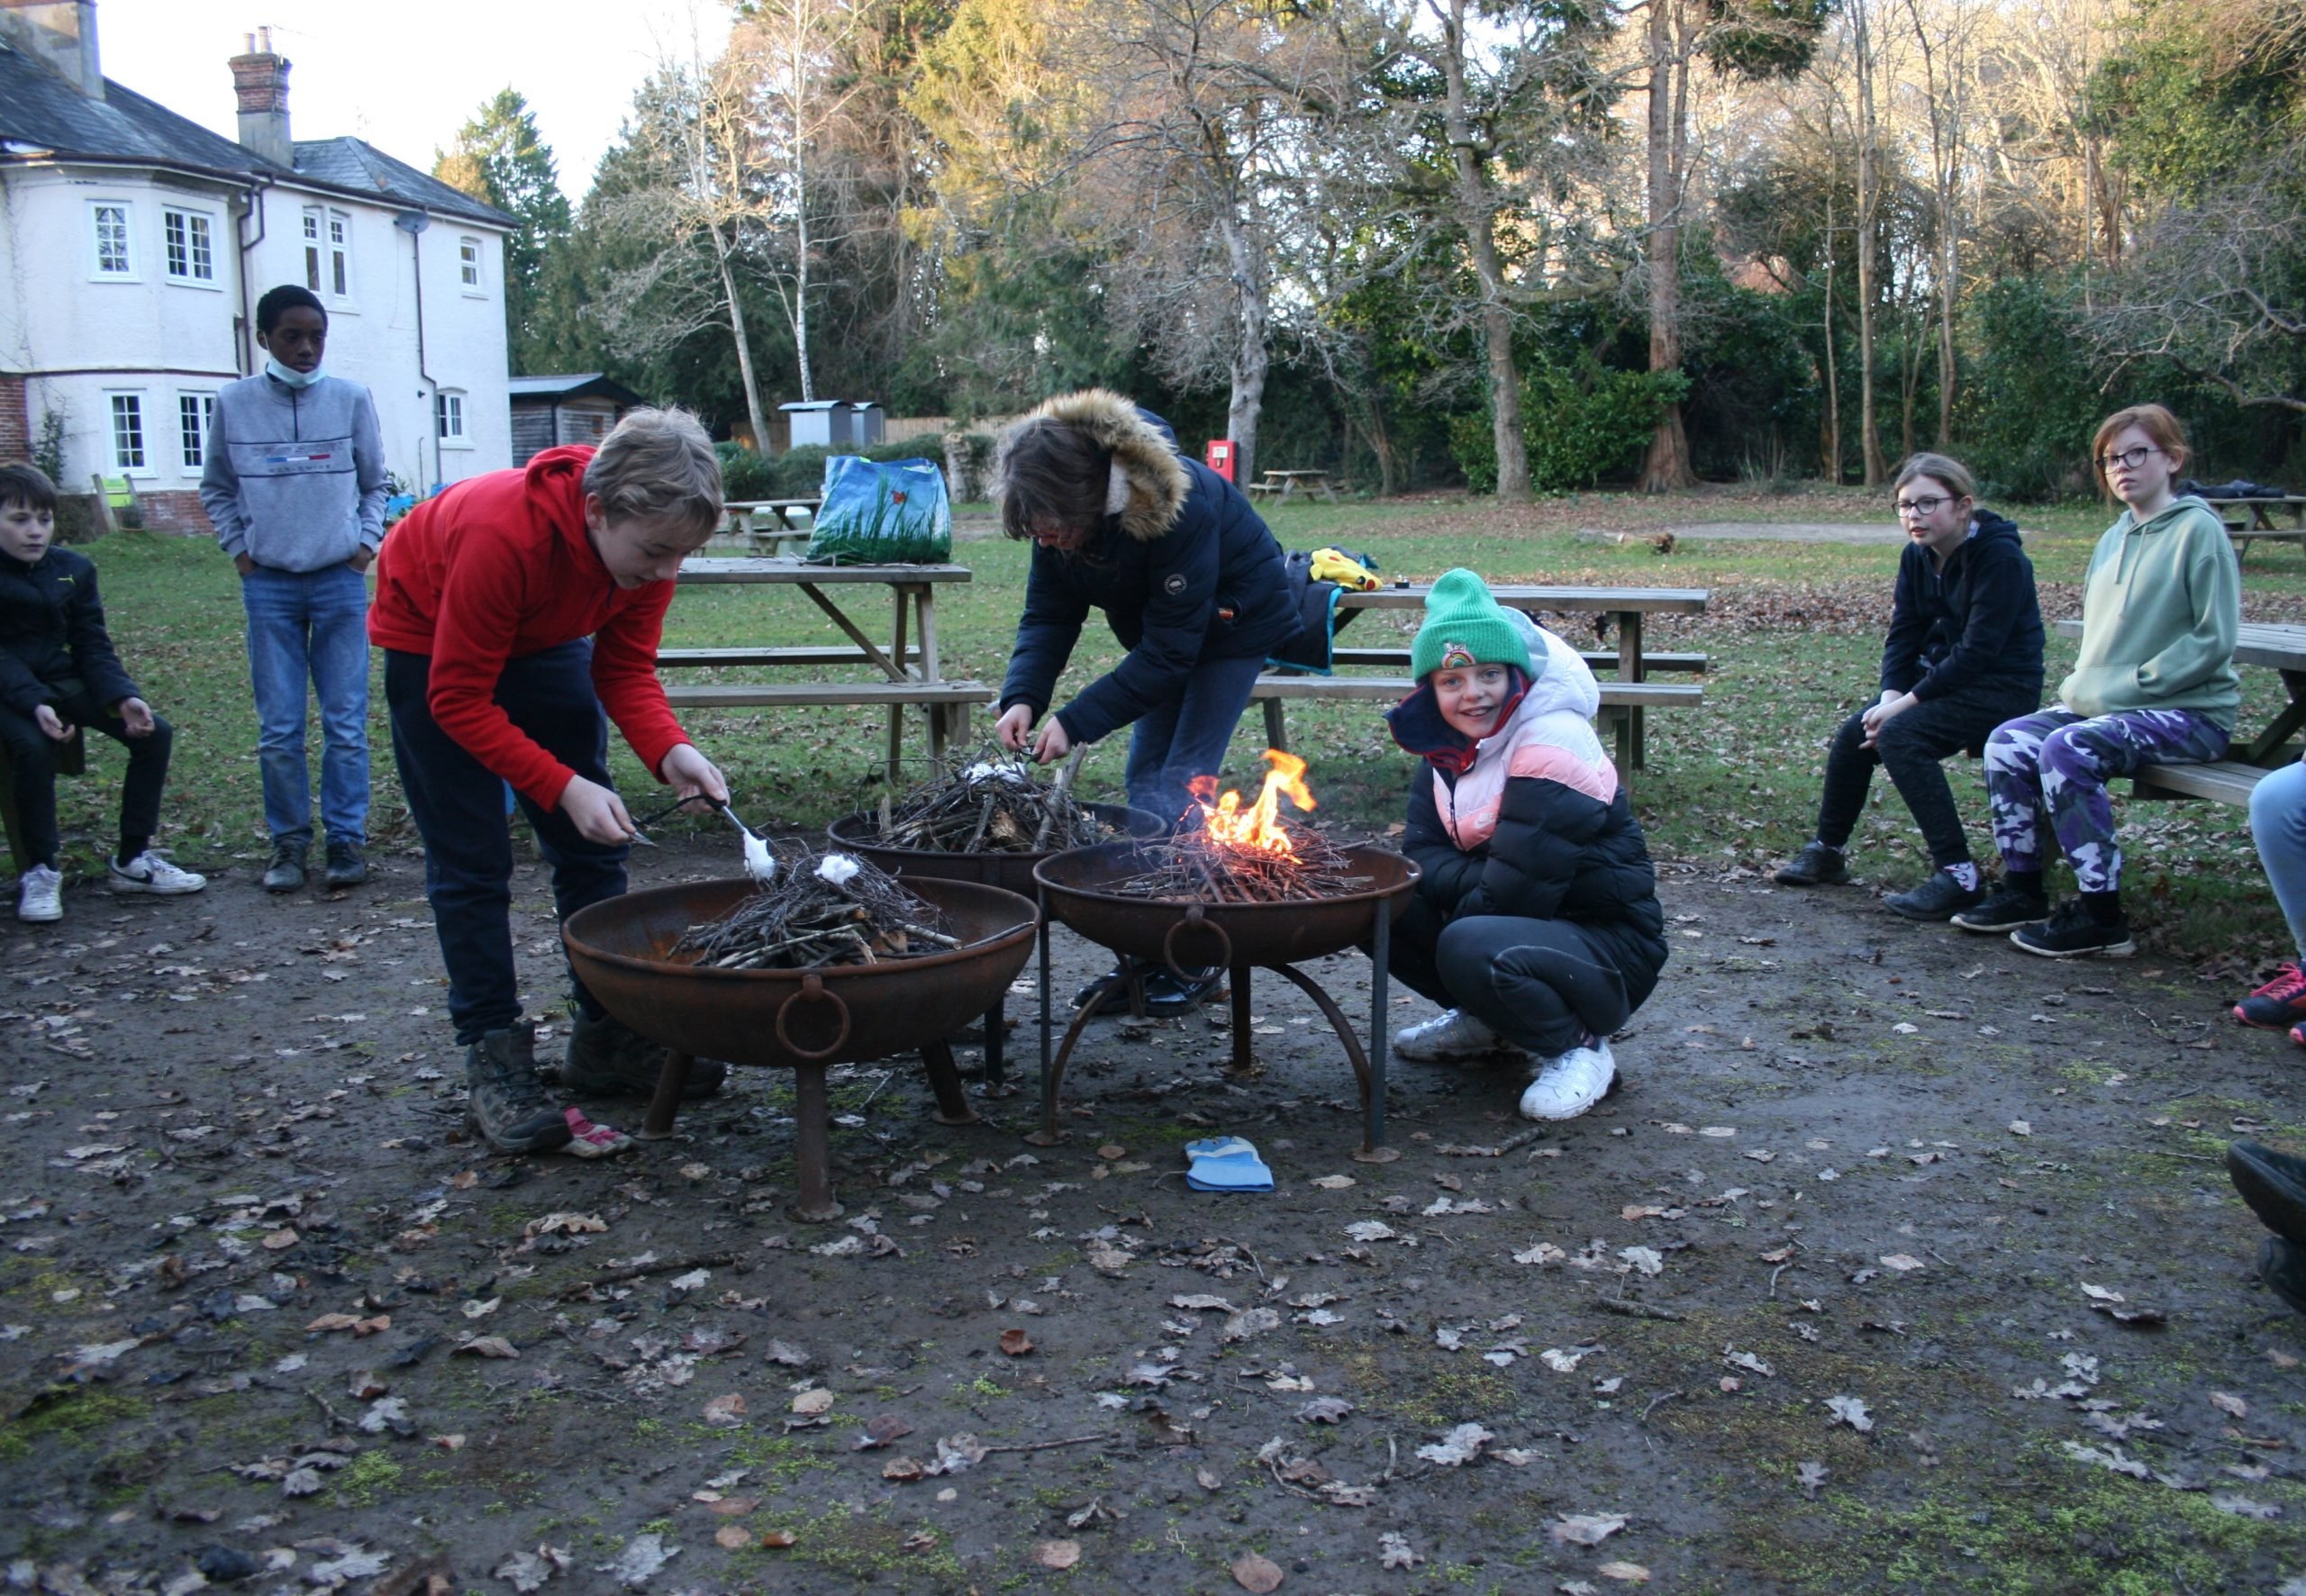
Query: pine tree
x,y
500,159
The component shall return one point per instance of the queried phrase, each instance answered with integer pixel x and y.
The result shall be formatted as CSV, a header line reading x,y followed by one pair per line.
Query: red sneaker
x,y
2298,1035
2280,1004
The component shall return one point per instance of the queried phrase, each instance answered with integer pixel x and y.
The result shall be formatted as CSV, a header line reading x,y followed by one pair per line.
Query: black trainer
x,y
506,1103
2282,1265
607,1058
1113,985
347,864
286,874
1940,897
2005,909
2074,932
1815,865
2273,1183
1165,996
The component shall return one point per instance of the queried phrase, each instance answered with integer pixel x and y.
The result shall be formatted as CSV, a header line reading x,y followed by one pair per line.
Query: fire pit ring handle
x,y
1195,919
813,990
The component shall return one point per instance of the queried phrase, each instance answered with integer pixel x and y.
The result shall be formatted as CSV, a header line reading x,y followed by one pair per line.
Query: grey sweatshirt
x,y
295,479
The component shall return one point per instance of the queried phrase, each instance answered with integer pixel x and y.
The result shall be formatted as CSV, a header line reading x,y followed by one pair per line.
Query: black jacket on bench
x,y
53,644
1977,622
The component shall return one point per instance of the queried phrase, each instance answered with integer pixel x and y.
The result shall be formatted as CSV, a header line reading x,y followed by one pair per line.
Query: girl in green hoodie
x,y
2154,684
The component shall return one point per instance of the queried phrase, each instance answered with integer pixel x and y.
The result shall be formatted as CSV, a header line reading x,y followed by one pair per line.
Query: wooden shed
x,y
575,409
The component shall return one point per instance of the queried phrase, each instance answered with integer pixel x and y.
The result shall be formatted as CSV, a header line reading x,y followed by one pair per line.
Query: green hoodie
x,y
2161,605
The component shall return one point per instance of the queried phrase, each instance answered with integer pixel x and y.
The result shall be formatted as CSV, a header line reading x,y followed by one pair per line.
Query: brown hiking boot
x,y
506,1102
607,1058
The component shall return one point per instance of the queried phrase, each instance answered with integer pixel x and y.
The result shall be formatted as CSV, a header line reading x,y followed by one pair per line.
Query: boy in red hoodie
x,y
519,612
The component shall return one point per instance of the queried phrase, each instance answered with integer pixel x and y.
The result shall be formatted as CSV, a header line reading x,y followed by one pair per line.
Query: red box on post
x,y
1218,457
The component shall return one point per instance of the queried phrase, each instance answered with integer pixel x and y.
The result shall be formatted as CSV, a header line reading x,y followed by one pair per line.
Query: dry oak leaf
x,y
2226,1403
1256,1573
725,1410
1058,1554
489,1347
1016,1342
776,1540
814,1400
1631,1573
1585,1530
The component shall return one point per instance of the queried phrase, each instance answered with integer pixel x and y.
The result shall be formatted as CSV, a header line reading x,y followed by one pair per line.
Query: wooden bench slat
x,y
812,654
1614,695
734,694
2226,781
1691,664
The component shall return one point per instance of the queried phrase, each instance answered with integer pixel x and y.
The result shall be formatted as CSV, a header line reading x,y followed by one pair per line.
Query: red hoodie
x,y
499,566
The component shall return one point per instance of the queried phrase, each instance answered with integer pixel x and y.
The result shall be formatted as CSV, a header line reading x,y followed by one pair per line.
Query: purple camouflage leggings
x,y
2055,765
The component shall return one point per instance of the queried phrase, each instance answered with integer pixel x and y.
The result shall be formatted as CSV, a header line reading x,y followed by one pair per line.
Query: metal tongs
x,y
760,864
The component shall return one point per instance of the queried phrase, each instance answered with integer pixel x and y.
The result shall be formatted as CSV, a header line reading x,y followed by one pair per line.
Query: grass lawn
x,y
1793,635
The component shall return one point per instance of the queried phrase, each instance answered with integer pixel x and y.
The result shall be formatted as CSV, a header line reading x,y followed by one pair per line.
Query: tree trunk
x,y
799,66
744,342
1478,218
1833,365
1877,469
1249,361
1666,468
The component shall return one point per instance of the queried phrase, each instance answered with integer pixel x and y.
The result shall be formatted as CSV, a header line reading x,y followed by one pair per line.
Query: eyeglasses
x,y
1924,507
2132,458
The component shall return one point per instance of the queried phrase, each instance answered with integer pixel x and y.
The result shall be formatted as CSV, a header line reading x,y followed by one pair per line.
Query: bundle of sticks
x,y
990,803
834,910
1195,867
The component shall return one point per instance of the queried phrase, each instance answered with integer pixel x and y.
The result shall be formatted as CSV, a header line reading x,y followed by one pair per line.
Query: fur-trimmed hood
x,y
1149,483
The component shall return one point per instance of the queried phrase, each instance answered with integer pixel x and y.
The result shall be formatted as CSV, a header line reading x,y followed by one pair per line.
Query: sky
x,y
407,74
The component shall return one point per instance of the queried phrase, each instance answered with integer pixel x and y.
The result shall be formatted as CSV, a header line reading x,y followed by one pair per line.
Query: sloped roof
x,y
574,386
42,115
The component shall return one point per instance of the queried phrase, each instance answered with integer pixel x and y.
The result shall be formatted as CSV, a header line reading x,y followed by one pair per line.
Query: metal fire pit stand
x,y
1193,927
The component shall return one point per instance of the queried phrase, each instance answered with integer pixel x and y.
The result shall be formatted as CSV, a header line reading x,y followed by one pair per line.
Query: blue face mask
x,y
289,377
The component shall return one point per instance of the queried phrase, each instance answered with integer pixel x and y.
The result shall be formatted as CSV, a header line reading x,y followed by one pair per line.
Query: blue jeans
x,y
311,626
1187,736
2278,823
458,806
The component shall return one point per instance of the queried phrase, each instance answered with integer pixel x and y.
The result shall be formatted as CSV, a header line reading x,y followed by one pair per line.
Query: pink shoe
x,y
588,1140
2281,1002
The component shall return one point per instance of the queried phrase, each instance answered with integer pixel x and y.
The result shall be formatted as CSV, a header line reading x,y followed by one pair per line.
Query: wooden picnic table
x,y
2259,523
911,673
745,517
1626,698
2264,645
1282,485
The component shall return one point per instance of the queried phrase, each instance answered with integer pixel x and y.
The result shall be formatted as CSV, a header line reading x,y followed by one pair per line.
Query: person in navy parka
x,y
1189,578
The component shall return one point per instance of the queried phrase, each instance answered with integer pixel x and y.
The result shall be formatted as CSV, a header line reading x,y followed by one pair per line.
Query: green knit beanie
x,y
1465,626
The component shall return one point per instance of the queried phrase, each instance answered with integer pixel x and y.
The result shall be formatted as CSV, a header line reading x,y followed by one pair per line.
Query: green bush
x,y
2028,401
1581,421
745,474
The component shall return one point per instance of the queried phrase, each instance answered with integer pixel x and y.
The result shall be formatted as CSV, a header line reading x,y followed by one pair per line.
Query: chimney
x,y
261,80
61,35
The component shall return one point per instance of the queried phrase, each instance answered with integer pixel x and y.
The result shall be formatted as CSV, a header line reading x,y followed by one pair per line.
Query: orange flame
x,y
1256,826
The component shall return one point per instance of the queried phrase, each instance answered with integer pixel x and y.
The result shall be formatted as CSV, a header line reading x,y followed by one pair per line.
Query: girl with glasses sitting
x,y
1964,655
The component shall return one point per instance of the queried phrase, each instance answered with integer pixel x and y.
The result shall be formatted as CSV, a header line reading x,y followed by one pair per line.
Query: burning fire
x,y
1257,827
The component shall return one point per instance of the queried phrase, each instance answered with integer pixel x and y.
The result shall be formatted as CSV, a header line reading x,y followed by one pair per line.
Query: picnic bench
x,y
768,524
912,674
2264,646
2247,529
1281,486
1625,700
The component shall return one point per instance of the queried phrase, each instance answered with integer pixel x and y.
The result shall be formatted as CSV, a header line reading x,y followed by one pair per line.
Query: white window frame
x,y
194,459
470,271
327,239
199,239
451,405
97,273
115,443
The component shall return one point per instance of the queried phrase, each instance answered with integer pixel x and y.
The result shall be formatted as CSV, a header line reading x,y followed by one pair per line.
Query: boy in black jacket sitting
x,y
1964,655
58,671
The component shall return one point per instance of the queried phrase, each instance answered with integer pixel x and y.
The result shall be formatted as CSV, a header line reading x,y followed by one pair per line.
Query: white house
x,y
134,245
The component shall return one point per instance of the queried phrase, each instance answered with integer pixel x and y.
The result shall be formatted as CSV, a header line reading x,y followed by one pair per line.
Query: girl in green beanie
x,y
1536,922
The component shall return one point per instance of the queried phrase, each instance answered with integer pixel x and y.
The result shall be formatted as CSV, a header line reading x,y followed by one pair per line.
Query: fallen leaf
x,y
777,1539
903,1470
1460,1446
1248,1323
1631,1573
280,1241
881,1431
1584,1529
2098,1294
2229,1404
1256,1573
1328,1410
1647,1259
642,1557
2020,1127
1903,1263
1058,1554
1016,1342
816,1399
1394,1551
1112,1150
725,1410
1851,1410
735,1536
1332,1183
489,1347
1810,1476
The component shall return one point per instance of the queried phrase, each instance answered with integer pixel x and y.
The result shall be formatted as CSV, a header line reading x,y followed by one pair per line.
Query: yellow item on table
x,y
1334,565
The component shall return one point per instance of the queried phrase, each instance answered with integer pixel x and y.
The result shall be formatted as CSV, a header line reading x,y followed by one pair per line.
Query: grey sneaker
x,y
507,1105
1815,865
346,866
286,874
607,1058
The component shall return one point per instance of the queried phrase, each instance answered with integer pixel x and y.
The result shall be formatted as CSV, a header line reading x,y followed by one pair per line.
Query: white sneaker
x,y
39,894
1570,1084
147,871
1453,1034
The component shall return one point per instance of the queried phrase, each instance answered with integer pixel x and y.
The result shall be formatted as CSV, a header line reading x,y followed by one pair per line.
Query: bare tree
x,y
1943,30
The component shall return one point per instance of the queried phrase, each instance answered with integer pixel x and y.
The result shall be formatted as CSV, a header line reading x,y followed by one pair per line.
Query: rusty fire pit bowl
x,y
1010,872
1080,885
799,1020
1080,889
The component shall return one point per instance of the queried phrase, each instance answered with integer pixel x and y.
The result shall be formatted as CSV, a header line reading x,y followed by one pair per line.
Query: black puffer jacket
x,y
1186,572
52,637
1557,854
1976,622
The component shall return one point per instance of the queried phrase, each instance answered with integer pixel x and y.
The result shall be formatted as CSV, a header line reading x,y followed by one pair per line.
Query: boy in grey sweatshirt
x,y
295,483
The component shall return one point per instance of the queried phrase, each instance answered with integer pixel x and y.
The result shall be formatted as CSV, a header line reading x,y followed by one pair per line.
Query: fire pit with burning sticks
x,y
963,805
724,969
1240,892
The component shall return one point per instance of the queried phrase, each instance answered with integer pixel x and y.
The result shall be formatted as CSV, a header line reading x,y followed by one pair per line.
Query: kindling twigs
x,y
837,910
1195,867
989,802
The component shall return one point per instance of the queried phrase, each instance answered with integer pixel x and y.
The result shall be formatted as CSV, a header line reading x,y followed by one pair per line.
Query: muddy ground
x,y
1819,1301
